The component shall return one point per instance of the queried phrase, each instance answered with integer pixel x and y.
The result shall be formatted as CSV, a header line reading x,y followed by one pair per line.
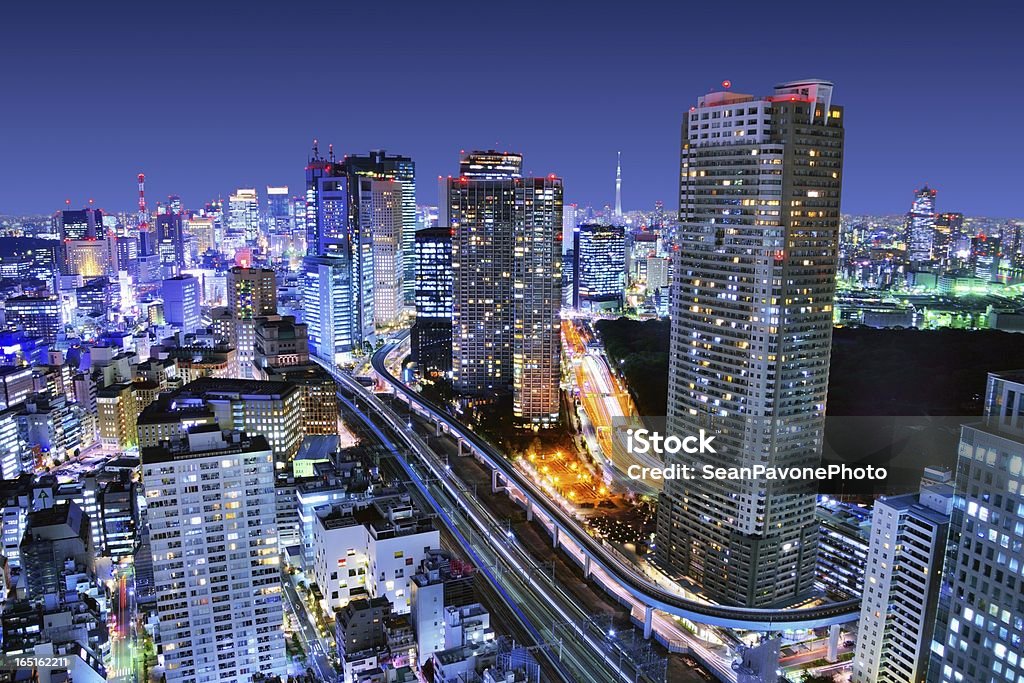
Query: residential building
x,y
901,584
506,264
215,561
370,548
751,337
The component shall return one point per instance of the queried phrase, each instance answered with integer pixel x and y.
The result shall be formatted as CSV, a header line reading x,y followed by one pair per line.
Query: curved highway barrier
x,y
628,575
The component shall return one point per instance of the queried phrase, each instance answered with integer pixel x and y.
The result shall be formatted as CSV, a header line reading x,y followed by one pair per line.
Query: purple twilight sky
x,y
204,97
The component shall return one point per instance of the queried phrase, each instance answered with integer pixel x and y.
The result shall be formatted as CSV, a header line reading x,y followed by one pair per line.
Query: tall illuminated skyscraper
x,y
278,210
751,335
170,243
381,212
507,270
431,335
244,216
327,302
213,534
378,164
359,208
921,225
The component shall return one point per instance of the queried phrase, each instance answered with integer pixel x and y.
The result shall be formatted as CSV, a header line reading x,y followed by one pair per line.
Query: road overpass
x,y
625,573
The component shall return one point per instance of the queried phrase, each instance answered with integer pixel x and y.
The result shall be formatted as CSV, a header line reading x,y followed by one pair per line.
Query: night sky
x,y
204,98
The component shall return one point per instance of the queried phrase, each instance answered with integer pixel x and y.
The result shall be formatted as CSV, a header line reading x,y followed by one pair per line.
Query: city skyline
x,y
642,89
290,395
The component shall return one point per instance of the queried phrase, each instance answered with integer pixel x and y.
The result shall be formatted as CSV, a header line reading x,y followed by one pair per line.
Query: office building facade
x,y
181,303
431,335
980,628
327,308
600,266
243,217
38,316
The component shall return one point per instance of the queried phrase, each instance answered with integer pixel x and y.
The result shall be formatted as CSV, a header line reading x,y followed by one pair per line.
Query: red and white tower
x,y
143,212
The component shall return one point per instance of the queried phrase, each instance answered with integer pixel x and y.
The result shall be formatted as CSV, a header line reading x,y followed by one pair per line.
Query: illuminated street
x,y
608,409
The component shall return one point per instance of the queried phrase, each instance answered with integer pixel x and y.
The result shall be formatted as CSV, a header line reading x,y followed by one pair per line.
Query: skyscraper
x,y
279,223
901,583
385,214
378,164
507,280
981,620
278,210
751,335
431,336
348,204
213,534
252,292
80,224
327,306
921,225
600,266
244,216
170,243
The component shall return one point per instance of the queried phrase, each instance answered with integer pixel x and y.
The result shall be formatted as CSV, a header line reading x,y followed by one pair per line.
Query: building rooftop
x,y
205,443
237,388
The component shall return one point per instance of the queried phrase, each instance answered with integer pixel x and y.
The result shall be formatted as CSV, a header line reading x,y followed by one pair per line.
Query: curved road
x,y
627,574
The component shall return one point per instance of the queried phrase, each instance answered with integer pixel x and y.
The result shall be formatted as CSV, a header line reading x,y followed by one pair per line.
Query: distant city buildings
x,y
921,225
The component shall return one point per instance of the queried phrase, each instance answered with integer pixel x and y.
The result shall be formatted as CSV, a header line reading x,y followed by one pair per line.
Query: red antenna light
x,y
726,84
